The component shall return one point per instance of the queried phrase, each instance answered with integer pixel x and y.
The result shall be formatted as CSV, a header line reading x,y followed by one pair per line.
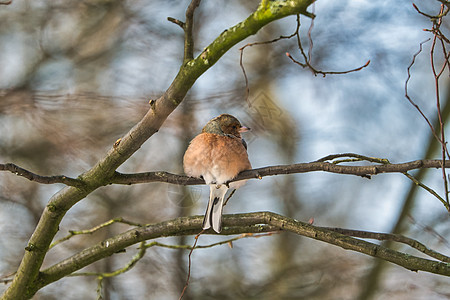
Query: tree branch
x,y
335,166
188,31
39,178
364,171
163,176
307,57
246,223
187,27
395,238
92,230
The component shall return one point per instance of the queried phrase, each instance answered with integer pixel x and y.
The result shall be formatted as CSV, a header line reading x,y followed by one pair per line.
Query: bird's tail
x,y
213,215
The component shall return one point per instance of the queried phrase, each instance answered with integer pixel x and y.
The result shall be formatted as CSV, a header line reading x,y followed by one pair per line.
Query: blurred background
x,y
77,75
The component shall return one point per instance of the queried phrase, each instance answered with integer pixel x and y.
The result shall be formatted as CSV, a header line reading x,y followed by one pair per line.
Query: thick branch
x,y
365,171
237,224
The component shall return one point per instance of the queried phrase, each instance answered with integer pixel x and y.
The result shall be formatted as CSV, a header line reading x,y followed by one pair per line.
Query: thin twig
x,y
188,31
392,237
99,288
228,241
311,44
430,230
422,13
307,57
436,25
332,157
187,27
39,178
433,18
437,34
176,22
406,89
426,188
122,270
94,229
384,161
189,265
241,63
324,73
247,88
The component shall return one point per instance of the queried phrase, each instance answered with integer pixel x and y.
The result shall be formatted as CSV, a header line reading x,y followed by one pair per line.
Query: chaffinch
x,y
218,154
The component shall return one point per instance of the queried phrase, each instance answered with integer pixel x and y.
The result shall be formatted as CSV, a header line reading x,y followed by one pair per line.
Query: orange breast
x,y
216,156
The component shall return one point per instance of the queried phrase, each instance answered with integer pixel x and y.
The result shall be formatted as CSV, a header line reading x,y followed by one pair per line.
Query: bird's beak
x,y
244,129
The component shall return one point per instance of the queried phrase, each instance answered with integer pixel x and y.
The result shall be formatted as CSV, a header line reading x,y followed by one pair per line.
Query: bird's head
x,y
225,124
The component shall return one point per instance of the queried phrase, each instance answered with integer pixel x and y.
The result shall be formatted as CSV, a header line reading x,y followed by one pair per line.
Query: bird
x,y
218,154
